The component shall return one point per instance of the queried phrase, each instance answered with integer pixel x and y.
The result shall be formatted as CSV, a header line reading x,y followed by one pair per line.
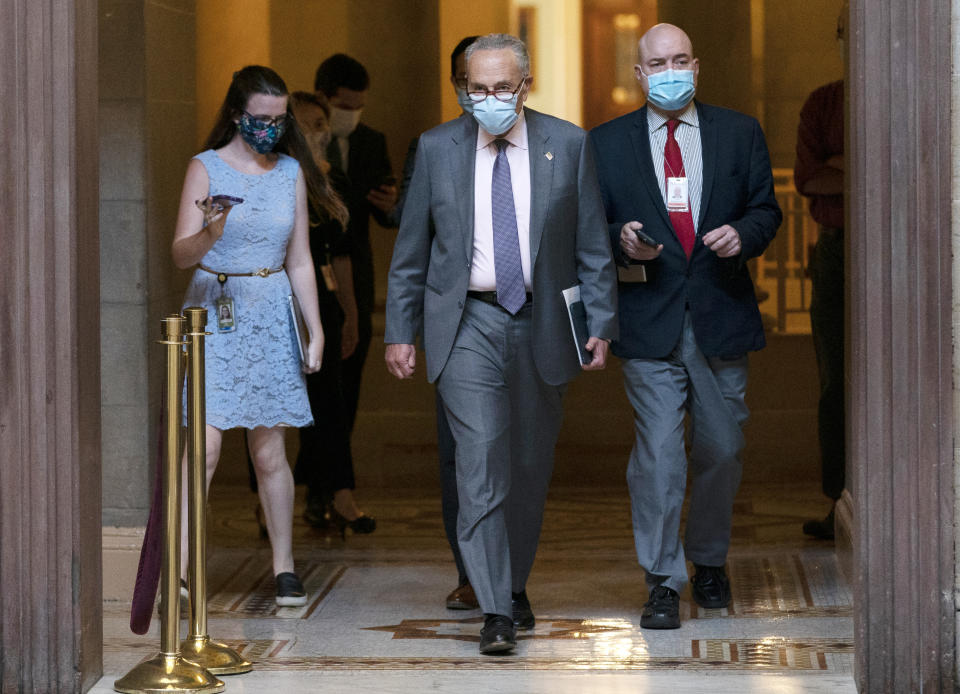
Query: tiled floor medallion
x,y
467,629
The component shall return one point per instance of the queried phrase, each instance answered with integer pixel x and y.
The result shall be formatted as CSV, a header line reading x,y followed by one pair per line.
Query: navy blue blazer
x,y
737,190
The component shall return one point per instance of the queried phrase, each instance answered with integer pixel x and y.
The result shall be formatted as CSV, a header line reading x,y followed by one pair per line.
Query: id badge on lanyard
x,y
226,311
678,194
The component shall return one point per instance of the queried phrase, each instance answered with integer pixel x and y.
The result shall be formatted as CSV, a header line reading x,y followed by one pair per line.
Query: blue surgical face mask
x,y
670,90
466,105
495,116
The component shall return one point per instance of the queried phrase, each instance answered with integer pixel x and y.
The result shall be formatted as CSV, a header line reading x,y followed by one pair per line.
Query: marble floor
x,y
376,622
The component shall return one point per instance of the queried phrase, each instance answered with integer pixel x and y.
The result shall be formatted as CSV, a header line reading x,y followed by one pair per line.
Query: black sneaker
x,y
290,592
710,586
662,610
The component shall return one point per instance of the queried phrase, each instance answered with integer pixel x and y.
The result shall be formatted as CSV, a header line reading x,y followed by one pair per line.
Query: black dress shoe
x,y
662,610
361,525
523,618
821,529
498,634
710,586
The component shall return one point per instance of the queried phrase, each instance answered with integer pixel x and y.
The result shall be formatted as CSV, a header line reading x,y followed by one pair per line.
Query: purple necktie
x,y
511,294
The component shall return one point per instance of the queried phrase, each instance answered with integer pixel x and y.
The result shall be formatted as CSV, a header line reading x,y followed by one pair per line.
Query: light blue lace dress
x,y
253,375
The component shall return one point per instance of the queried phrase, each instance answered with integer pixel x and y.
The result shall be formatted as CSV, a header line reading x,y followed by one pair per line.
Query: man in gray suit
x,y
498,221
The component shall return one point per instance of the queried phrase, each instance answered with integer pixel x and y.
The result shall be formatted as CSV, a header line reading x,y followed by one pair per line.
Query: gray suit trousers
x,y
505,420
711,390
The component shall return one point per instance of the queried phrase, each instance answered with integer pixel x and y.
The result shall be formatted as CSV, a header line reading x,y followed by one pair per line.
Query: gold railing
x,y
781,272
191,665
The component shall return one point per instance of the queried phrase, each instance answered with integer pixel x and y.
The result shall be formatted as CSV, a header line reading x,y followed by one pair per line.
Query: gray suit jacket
x,y
430,271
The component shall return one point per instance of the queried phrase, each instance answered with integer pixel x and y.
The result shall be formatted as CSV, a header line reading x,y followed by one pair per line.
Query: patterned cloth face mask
x,y
261,135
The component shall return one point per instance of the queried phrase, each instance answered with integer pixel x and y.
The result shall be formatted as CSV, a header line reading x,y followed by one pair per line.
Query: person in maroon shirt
x,y
818,175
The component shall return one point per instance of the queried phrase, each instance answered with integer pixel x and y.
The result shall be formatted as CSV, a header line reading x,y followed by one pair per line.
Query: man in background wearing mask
x,y
695,181
462,597
360,152
502,215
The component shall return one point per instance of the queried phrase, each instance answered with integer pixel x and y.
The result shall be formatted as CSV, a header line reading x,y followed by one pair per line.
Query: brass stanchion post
x,y
169,671
217,658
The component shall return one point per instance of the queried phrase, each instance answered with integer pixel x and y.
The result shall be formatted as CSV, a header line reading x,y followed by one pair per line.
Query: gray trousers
x,y
505,420
662,391
449,505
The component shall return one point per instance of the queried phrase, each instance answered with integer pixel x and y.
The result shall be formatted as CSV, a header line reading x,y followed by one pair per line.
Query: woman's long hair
x,y
257,79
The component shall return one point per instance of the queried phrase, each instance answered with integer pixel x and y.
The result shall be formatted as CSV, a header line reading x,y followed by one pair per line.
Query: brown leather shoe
x,y
462,598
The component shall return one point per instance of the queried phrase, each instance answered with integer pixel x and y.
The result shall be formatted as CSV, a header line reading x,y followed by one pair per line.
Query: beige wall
x,y
391,39
556,58
802,53
302,34
229,35
395,41
799,53
459,18
720,32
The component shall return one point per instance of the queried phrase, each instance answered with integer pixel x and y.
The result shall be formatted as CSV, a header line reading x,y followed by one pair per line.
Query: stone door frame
x,y
897,515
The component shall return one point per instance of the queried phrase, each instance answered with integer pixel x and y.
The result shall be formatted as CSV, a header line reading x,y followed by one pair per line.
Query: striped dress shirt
x,y
687,135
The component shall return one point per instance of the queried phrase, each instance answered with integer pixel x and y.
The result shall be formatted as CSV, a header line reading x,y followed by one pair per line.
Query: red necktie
x,y
672,168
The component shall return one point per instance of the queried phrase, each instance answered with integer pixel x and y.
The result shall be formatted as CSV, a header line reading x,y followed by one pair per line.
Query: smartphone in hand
x,y
645,239
225,201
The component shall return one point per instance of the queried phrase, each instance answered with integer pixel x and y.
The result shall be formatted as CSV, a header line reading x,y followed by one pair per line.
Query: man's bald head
x,y
664,39
666,47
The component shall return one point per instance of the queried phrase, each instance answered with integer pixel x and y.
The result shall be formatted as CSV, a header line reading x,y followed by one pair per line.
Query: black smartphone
x,y
225,201
645,239
390,180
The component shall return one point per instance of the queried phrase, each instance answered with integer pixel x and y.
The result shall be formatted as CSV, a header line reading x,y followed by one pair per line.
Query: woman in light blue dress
x,y
243,222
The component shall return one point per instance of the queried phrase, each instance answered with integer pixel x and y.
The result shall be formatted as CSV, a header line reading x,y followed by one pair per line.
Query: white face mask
x,y
344,121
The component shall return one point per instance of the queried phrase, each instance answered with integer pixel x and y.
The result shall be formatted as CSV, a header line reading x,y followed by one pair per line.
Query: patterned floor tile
x,y
376,600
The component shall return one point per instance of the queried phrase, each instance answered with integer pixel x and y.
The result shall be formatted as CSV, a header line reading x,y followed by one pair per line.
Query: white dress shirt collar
x,y
656,120
516,136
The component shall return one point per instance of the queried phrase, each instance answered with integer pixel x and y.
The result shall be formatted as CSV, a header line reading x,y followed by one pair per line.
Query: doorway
x,y
900,509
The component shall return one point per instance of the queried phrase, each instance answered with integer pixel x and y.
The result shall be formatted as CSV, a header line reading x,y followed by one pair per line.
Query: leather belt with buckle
x,y
491,297
262,272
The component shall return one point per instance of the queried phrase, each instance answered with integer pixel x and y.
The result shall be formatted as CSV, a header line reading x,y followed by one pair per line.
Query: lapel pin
x,y
549,156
